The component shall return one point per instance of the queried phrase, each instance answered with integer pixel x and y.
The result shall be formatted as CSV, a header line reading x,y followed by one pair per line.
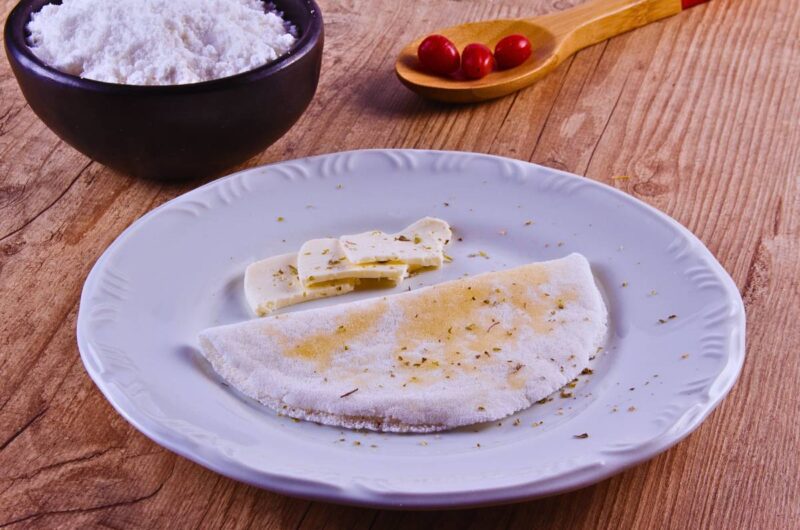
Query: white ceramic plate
x,y
179,269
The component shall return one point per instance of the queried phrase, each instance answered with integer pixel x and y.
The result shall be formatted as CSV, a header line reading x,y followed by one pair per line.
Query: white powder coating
x,y
158,42
461,352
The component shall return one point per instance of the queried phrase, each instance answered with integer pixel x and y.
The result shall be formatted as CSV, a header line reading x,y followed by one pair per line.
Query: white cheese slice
x,y
418,245
273,283
324,260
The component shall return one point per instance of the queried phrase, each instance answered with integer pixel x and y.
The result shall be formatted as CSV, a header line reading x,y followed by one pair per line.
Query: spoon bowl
x,y
457,88
554,37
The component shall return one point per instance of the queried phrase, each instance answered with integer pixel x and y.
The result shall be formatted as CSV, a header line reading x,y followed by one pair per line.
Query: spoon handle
x,y
597,20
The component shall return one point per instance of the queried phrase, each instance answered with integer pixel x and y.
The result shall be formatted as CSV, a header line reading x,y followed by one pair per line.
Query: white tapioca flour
x,y
158,42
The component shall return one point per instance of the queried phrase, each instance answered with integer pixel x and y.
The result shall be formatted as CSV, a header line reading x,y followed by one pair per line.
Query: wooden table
x,y
702,111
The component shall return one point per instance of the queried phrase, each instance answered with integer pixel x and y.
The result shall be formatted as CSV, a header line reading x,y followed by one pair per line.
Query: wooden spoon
x,y
554,37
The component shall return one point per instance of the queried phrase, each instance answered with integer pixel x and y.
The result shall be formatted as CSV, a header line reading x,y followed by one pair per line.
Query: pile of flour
x,y
158,42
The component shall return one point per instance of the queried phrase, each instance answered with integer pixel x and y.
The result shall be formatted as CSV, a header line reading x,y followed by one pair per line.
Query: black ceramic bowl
x,y
176,131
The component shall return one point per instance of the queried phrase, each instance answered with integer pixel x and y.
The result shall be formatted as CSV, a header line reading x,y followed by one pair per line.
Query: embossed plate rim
x,y
358,492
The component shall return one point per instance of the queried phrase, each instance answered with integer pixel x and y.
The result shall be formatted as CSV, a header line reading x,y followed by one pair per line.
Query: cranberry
x,y
478,61
438,55
512,51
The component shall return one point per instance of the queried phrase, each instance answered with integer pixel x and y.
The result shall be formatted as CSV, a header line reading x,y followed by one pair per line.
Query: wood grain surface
x,y
701,110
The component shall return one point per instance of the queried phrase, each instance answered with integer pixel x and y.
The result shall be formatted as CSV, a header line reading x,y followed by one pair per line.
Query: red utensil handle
x,y
686,4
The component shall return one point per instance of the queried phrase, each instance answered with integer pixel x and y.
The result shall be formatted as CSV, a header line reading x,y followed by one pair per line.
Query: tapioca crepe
x,y
461,352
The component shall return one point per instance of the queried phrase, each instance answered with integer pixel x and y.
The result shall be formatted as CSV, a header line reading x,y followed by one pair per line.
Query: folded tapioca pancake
x,y
457,353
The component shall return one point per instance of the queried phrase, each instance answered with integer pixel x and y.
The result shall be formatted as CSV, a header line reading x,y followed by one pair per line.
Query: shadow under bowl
x,y
172,132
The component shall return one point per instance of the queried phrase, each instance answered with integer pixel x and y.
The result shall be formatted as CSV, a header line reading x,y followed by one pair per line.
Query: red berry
x,y
512,51
478,61
438,55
